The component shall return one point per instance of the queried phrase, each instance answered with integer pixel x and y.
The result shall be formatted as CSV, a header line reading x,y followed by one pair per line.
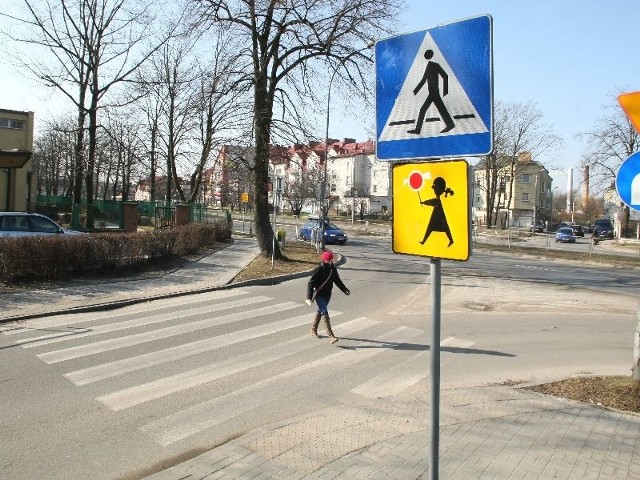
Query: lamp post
x,y
323,189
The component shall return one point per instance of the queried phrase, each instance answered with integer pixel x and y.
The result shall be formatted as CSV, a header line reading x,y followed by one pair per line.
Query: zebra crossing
x,y
186,348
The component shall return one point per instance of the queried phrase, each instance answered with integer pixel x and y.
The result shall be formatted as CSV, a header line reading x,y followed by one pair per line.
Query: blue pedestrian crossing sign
x,y
434,92
628,181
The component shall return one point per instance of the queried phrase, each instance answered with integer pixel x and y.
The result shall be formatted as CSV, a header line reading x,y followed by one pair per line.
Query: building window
x,y
11,123
525,197
525,178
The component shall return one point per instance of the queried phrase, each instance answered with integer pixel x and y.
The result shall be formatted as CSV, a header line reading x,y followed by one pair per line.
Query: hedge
x,y
56,257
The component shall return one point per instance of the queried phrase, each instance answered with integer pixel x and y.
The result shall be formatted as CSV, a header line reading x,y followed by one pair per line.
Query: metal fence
x,y
108,214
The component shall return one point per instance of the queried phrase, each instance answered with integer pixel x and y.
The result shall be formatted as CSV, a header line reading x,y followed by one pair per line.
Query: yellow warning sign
x,y
431,209
630,103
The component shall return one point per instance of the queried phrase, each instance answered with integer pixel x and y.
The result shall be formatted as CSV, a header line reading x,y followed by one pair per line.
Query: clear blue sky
x,y
570,57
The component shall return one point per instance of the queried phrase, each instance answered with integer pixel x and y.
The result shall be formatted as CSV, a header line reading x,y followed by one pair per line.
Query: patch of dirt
x,y
620,393
298,257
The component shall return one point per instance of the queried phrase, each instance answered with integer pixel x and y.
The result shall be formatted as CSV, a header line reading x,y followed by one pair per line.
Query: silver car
x,y
27,224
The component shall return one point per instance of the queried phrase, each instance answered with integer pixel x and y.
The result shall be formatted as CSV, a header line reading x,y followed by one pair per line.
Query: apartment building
x,y
18,185
521,194
356,182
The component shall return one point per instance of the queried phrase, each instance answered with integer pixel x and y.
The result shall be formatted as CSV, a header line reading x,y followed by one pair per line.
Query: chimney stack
x,y
585,187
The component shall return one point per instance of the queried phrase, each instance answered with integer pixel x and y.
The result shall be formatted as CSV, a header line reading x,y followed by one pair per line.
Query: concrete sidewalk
x,y
492,432
485,433
207,273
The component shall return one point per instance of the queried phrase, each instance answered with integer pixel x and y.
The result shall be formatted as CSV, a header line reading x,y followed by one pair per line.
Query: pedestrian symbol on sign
x,y
434,92
431,76
421,101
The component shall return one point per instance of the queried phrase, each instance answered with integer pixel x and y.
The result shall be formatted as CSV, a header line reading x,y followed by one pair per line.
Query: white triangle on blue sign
x,y
407,105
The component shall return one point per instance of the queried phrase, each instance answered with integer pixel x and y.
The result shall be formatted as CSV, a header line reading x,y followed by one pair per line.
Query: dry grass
x,y
299,257
621,393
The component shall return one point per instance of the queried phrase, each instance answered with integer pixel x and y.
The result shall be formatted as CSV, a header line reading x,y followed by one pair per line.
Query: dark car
x,y
537,226
565,235
577,230
27,224
603,228
332,234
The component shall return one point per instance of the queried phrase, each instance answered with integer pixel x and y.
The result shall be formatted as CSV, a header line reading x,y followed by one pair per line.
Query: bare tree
x,y
302,188
174,78
91,46
610,143
518,128
53,157
124,149
281,41
218,106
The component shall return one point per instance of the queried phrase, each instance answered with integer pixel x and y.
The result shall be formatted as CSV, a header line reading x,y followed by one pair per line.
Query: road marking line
x,y
205,415
397,378
138,322
57,356
456,343
75,318
208,373
151,359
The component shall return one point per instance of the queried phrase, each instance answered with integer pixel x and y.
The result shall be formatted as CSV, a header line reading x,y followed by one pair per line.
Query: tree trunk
x,y
262,127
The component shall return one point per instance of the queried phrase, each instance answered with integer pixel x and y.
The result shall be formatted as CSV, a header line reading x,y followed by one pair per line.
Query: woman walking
x,y
319,289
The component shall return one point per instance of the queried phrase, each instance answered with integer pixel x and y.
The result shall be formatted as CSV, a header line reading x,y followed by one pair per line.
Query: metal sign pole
x,y
435,274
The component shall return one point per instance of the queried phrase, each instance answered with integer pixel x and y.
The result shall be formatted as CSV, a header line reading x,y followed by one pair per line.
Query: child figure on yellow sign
x,y
438,220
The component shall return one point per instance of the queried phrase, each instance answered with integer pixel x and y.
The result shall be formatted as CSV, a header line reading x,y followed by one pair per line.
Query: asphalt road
x,y
123,393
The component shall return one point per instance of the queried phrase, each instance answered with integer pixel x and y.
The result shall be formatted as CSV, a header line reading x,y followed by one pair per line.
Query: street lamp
x,y
323,190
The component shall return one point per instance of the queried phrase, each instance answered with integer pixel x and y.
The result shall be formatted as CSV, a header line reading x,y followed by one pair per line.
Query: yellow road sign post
x,y
431,213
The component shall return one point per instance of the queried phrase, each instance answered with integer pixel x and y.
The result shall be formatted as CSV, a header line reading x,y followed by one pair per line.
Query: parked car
x,y
577,230
332,234
537,226
565,235
27,224
603,228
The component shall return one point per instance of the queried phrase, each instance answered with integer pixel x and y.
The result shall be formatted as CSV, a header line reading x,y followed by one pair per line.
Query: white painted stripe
x,y
406,374
396,379
208,414
208,373
138,322
151,359
147,308
57,356
456,343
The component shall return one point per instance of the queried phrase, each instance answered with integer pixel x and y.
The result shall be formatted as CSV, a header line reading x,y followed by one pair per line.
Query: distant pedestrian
x,y
319,289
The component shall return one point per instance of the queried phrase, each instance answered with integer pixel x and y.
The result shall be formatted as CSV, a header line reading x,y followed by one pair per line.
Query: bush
x,y
55,257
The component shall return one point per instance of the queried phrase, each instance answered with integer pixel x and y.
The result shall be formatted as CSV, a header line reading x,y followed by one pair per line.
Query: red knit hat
x,y
326,256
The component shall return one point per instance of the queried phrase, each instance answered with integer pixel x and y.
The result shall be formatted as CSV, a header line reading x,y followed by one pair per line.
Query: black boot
x,y
314,325
327,324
